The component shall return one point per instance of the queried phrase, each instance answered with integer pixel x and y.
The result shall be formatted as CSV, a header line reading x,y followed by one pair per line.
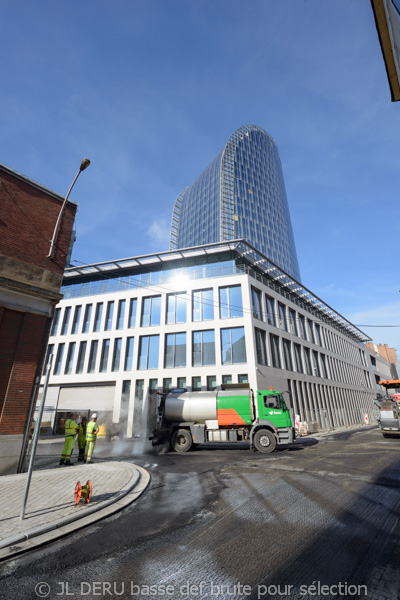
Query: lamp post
x,y
84,165
35,438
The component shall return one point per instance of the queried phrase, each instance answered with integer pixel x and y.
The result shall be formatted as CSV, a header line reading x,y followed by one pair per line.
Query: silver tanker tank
x,y
197,407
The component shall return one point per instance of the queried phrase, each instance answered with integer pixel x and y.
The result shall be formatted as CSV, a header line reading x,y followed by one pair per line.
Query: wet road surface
x,y
316,521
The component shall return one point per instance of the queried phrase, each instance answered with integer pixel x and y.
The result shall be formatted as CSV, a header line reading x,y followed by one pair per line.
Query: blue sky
x,y
150,91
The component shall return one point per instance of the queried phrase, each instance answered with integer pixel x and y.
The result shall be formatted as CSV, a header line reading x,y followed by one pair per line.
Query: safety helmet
x,y
94,416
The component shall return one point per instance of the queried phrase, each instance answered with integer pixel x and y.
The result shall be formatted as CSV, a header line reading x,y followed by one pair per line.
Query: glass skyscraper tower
x,y
241,194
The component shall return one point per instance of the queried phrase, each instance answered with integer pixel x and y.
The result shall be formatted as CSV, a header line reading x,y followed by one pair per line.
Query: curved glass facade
x,y
241,194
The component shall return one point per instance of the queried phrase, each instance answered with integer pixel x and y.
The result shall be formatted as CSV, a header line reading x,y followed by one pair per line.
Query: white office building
x,y
198,318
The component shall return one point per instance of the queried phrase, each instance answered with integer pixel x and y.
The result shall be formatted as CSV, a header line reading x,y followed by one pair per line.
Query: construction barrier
x,y
297,423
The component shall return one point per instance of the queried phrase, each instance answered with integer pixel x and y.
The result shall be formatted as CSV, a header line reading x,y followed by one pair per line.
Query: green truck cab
x,y
274,417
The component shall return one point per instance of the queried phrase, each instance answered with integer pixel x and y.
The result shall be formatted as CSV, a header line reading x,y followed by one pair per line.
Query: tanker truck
x,y
186,419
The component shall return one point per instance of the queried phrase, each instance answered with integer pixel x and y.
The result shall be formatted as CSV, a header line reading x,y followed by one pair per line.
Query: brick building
x,y
389,354
30,284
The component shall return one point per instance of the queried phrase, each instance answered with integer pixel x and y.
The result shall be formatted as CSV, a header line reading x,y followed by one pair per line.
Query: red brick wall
x,y
27,219
23,338
389,354
10,325
28,215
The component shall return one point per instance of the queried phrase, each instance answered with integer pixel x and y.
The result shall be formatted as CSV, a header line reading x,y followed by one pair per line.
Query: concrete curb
x,y
41,535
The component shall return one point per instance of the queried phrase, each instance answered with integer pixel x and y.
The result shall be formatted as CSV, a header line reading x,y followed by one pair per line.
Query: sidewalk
x,y
51,511
325,433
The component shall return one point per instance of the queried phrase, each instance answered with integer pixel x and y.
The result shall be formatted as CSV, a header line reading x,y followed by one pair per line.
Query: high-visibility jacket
x,y
70,428
91,431
82,432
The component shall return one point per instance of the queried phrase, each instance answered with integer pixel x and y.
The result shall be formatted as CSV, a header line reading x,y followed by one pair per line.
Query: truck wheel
x,y
264,441
181,440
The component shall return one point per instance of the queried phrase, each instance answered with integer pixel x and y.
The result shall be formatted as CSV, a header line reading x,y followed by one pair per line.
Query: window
x,y
81,357
243,379
302,323
148,352
56,320
65,323
230,302
59,357
92,356
132,313
311,331
167,384
151,311
367,379
324,367
86,318
323,337
104,355
211,383
77,316
261,347
176,308
233,346
70,358
116,359
138,407
297,358
126,392
196,384
282,317
121,314
175,350
153,385
292,322
181,383
362,357
318,330
203,349
203,305
271,311
287,355
109,315
307,357
226,379
97,317
317,372
129,354
139,390
256,303
275,353
124,408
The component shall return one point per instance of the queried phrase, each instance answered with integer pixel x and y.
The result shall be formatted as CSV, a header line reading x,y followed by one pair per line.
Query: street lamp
x,y
84,165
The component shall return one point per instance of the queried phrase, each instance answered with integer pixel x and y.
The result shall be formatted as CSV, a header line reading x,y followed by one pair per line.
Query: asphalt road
x,y
316,521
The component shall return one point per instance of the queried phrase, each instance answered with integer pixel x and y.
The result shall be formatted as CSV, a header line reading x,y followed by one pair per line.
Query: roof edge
x,y
35,184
